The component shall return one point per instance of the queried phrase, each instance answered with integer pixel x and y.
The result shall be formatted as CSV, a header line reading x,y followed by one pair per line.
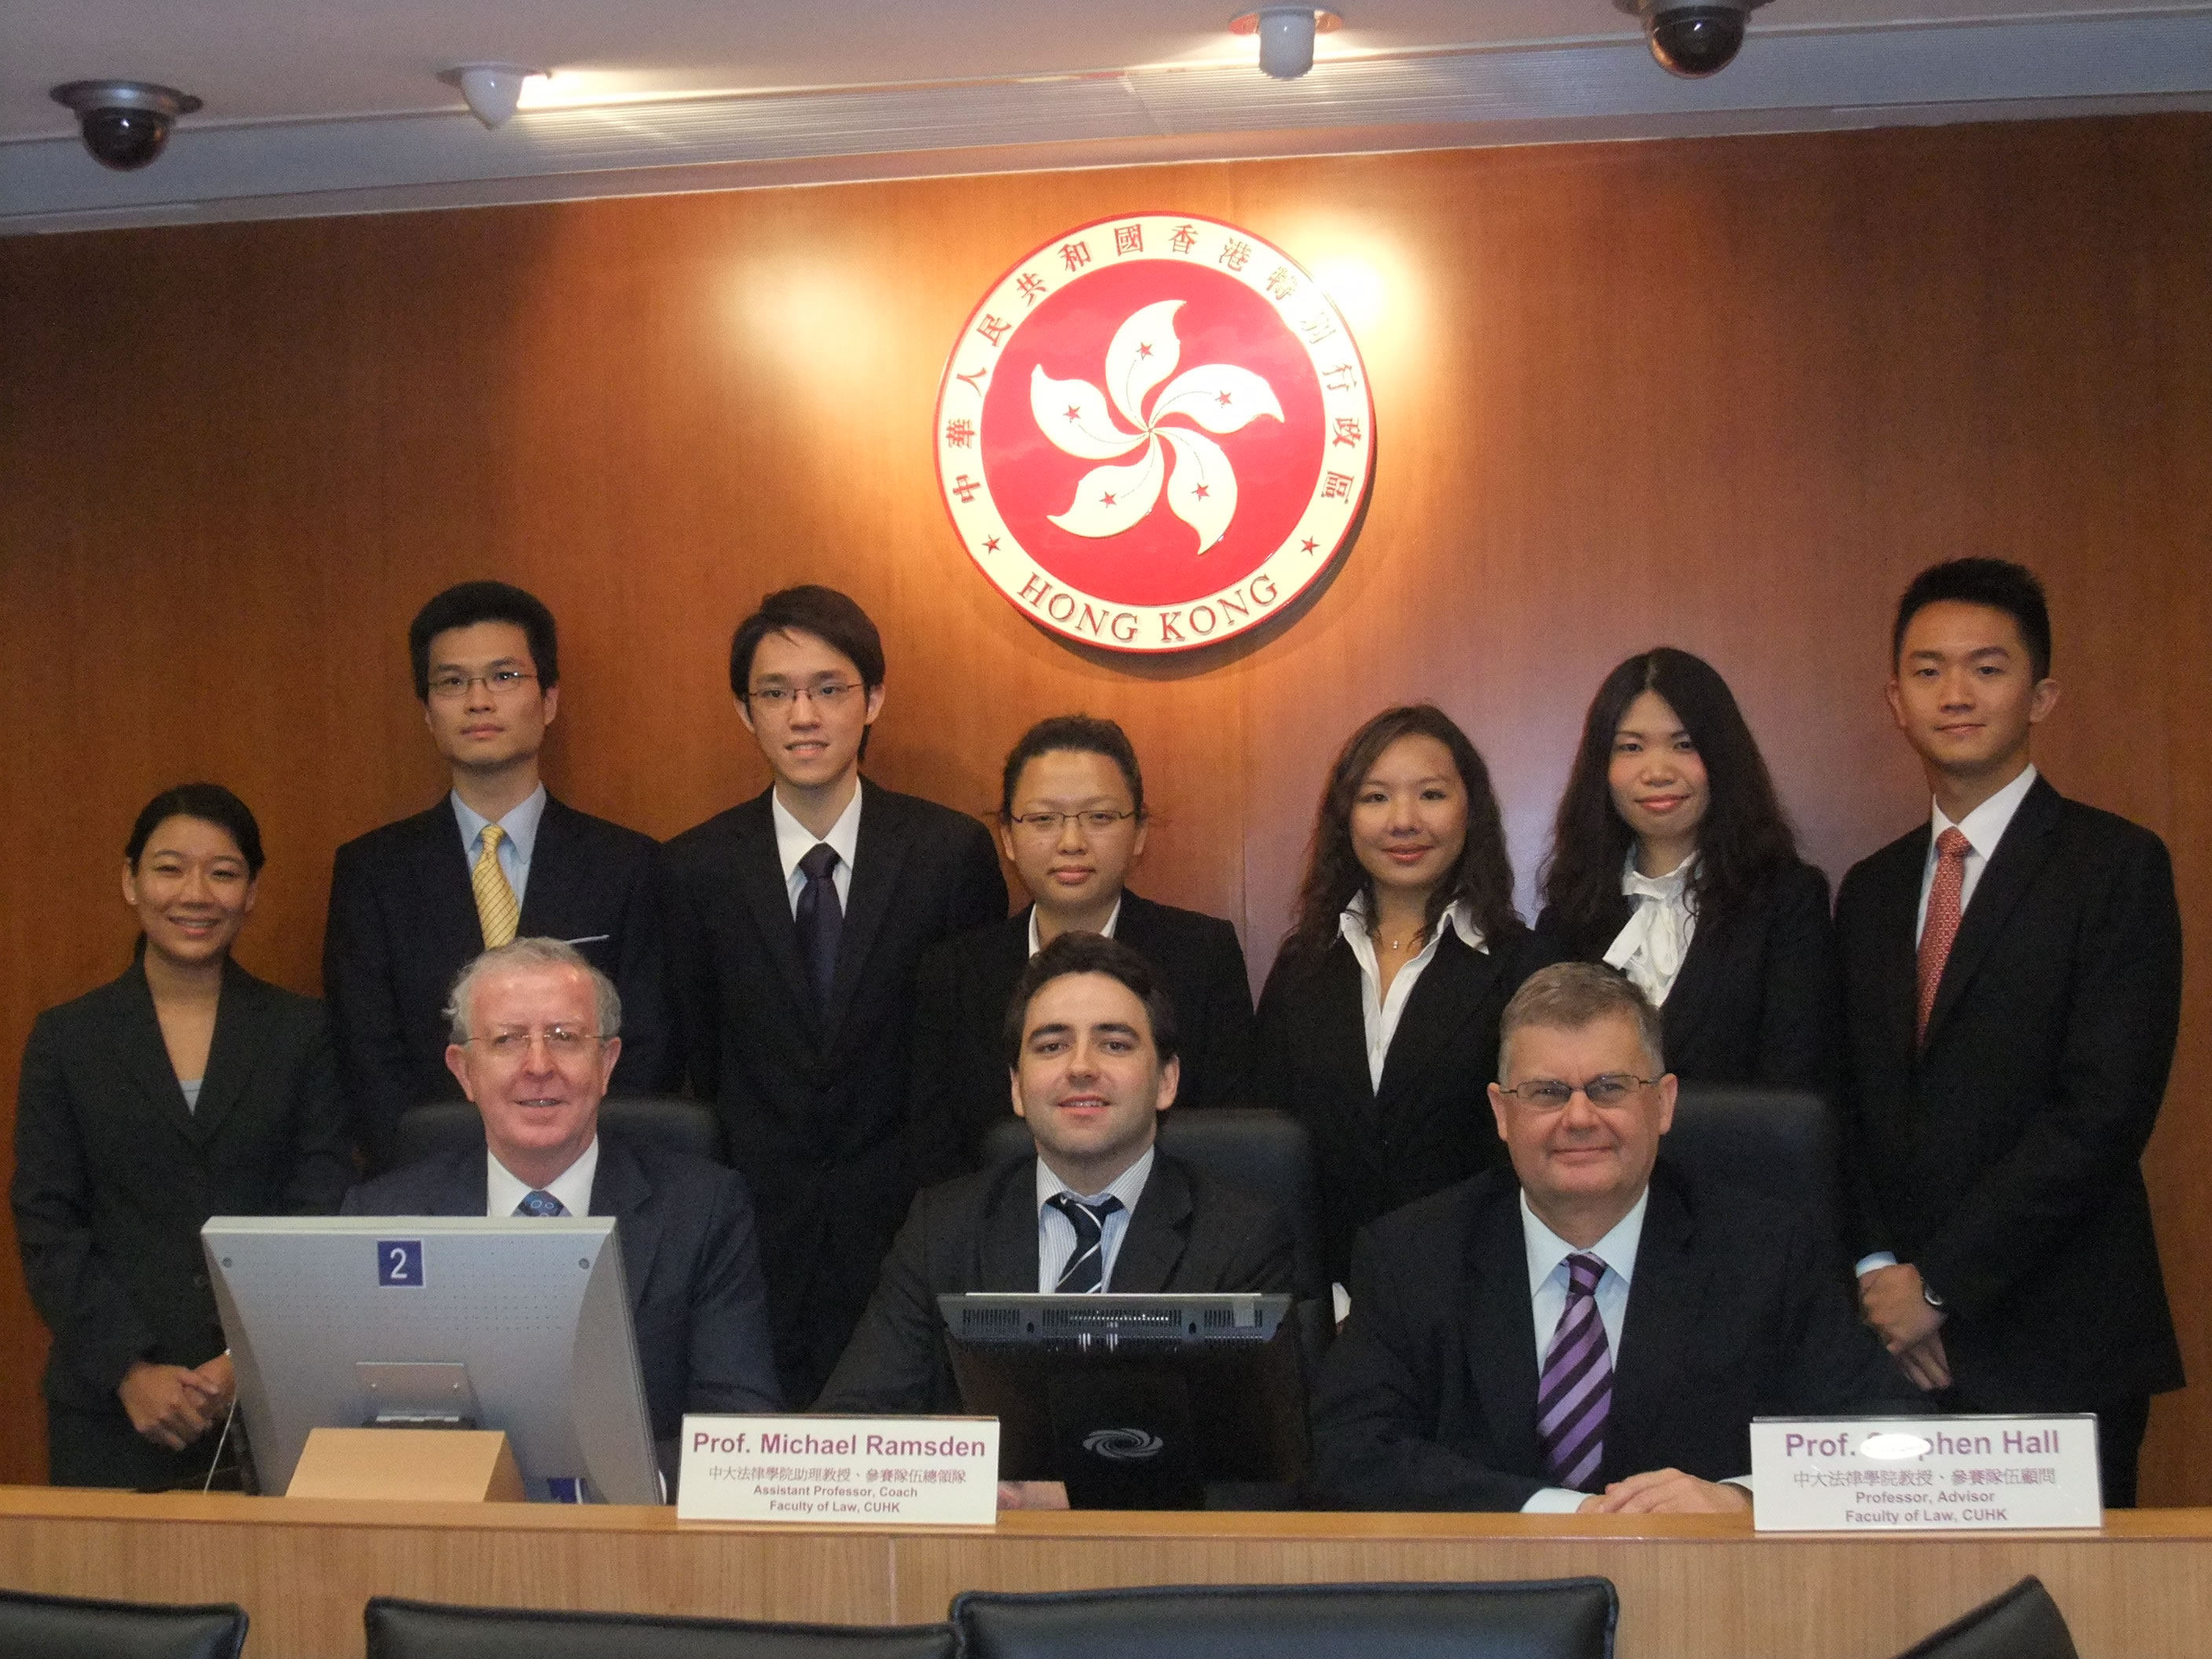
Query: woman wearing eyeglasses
x,y
1072,820
1672,860
1378,1026
184,1089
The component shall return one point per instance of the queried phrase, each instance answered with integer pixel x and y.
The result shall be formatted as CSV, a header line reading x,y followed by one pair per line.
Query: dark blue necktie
x,y
820,919
1086,1271
540,1203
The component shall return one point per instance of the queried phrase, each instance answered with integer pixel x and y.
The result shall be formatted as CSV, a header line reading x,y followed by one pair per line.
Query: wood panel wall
x,y
1725,394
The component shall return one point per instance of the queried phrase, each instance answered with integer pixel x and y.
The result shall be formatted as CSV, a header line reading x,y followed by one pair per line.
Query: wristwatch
x,y
1928,1294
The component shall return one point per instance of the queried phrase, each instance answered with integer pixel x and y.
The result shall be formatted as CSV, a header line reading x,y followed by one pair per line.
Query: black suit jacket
x,y
2004,1159
690,1262
402,923
1429,1124
960,1083
1428,1397
114,1174
815,1108
1759,997
1188,1233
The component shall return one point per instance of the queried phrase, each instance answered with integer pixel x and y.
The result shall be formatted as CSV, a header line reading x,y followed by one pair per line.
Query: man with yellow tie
x,y
413,901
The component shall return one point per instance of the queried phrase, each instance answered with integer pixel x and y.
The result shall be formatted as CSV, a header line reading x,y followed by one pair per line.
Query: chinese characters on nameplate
x,y
864,1471
1925,1473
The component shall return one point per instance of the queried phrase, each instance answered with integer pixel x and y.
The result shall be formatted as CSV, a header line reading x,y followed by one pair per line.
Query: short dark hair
x,y
467,604
1082,734
833,617
1568,996
210,802
1091,953
1997,583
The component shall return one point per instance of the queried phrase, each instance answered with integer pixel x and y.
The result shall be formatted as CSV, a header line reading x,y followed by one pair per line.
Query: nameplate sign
x,y
1898,1474
856,1471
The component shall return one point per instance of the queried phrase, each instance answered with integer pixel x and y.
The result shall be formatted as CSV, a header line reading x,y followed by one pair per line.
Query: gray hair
x,y
530,953
1570,995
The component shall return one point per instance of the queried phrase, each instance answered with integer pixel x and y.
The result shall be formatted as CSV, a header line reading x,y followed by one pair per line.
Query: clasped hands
x,y
1893,1301
1666,1491
173,1406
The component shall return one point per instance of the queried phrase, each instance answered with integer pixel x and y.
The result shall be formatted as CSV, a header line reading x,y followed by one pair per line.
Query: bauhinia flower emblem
x,y
1202,490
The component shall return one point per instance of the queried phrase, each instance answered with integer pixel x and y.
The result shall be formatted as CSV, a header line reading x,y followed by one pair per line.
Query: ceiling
x,y
314,107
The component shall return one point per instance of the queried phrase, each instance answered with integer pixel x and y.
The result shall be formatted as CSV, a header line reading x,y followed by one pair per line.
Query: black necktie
x,y
821,919
1086,1271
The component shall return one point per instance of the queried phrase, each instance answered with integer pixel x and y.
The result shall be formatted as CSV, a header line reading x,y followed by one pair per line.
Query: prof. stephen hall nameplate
x,y
864,1471
1925,1474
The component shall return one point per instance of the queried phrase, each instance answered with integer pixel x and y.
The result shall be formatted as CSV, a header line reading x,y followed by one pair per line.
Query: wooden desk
x,y
1689,1586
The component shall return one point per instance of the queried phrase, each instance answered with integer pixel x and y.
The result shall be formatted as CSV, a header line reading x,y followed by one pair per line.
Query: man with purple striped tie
x,y
1590,1330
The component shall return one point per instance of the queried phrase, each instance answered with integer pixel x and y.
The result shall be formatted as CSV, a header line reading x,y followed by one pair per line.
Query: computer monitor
x,y
1138,1401
518,1323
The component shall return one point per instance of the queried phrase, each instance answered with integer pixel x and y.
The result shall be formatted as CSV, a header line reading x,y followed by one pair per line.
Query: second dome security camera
x,y
1693,38
125,123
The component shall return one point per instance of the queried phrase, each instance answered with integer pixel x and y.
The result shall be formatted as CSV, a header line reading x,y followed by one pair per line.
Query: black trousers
x,y
101,1449
2120,1448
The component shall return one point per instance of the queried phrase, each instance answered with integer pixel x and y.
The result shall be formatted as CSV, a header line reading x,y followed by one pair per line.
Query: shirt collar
x,y
1112,921
1617,1249
1985,825
1352,924
1127,1186
504,1190
520,823
794,840
1668,889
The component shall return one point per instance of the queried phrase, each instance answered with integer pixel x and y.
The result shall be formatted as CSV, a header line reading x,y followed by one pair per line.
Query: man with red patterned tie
x,y
1591,1330
2013,993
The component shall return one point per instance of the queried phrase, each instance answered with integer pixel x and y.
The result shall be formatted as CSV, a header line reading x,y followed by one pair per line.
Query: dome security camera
x,y
125,123
1693,38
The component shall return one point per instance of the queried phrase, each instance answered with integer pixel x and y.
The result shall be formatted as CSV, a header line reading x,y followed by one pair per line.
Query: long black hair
x,y
1744,839
1482,879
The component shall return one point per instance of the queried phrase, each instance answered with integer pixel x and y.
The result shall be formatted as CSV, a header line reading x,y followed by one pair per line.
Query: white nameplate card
x,y
1893,1475
860,1471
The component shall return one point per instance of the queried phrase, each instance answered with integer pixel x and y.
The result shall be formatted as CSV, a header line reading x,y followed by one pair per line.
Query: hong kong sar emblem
x,y
1155,432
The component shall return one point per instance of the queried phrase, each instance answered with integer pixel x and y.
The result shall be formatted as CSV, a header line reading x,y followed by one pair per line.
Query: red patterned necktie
x,y
1942,924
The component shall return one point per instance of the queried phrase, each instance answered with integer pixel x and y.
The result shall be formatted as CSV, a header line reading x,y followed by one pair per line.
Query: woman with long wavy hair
x,y
1672,860
1378,1026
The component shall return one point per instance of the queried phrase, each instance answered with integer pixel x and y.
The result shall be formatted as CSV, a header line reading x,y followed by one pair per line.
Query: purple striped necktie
x,y
1575,1392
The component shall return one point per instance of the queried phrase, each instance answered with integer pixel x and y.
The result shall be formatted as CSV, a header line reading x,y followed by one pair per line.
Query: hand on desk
x,y
1032,1495
1666,1491
171,1406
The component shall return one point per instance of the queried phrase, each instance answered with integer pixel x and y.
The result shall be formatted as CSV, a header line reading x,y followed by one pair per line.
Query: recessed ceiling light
x,y
491,89
1287,36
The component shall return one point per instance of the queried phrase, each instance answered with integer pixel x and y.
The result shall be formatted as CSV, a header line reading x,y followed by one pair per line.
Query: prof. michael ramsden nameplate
x,y
867,1471
1925,1474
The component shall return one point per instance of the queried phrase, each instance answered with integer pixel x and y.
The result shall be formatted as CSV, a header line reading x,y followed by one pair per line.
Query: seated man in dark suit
x,y
1071,821
1587,1330
535,1037
1089,1039
497,857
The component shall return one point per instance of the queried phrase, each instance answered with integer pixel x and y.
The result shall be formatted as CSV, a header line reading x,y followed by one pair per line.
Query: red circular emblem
x,y
1154,432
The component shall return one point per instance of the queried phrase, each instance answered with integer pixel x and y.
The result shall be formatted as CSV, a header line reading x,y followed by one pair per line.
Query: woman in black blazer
x,y
1072,820
187,1088
1378,1026
1672,860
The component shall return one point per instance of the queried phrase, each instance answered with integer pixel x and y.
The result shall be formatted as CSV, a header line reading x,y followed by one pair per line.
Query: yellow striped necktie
x,y
495,903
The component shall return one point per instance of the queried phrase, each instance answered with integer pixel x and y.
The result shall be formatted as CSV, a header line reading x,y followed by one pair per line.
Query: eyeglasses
x,y
499,683
1550,1095
562,1041
828,696
1098,820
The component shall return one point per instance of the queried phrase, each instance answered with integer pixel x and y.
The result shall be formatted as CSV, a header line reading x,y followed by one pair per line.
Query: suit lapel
x,y
1663,1300
1158,1228
145,1056
1449,990
1500,1339
1339,1027
2020,856
1690,997
1008,1243
878,860
761,888
620,1189
446,903
550,858
232,1053
1896,897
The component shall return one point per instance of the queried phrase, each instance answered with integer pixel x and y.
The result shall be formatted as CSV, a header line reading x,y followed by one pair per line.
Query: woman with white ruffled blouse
x,y
1672,862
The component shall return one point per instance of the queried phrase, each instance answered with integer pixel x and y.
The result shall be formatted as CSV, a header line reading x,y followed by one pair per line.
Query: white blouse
x,y
1651,949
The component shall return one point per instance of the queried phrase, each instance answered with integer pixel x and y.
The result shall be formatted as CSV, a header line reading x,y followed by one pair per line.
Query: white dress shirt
x,y
1650,948
794,841
1056,1233
515,847
505,1191
1380,1014
192,1087
1113,921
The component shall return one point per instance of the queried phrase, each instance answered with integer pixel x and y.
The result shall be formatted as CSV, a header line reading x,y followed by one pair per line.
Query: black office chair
x,y
68,1627
425,1629
2024,1623
667,1120
1779,1142
1555,1618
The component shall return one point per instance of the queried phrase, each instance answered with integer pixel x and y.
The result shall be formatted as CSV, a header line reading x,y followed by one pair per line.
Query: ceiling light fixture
x,y
1693,38
1287,36
125,123
491,89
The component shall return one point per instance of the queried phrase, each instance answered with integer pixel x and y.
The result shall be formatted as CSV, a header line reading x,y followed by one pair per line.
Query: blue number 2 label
x,y
400,1261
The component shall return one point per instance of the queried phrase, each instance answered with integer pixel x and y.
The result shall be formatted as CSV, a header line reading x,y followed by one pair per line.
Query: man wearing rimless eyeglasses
x,y
1590,1329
